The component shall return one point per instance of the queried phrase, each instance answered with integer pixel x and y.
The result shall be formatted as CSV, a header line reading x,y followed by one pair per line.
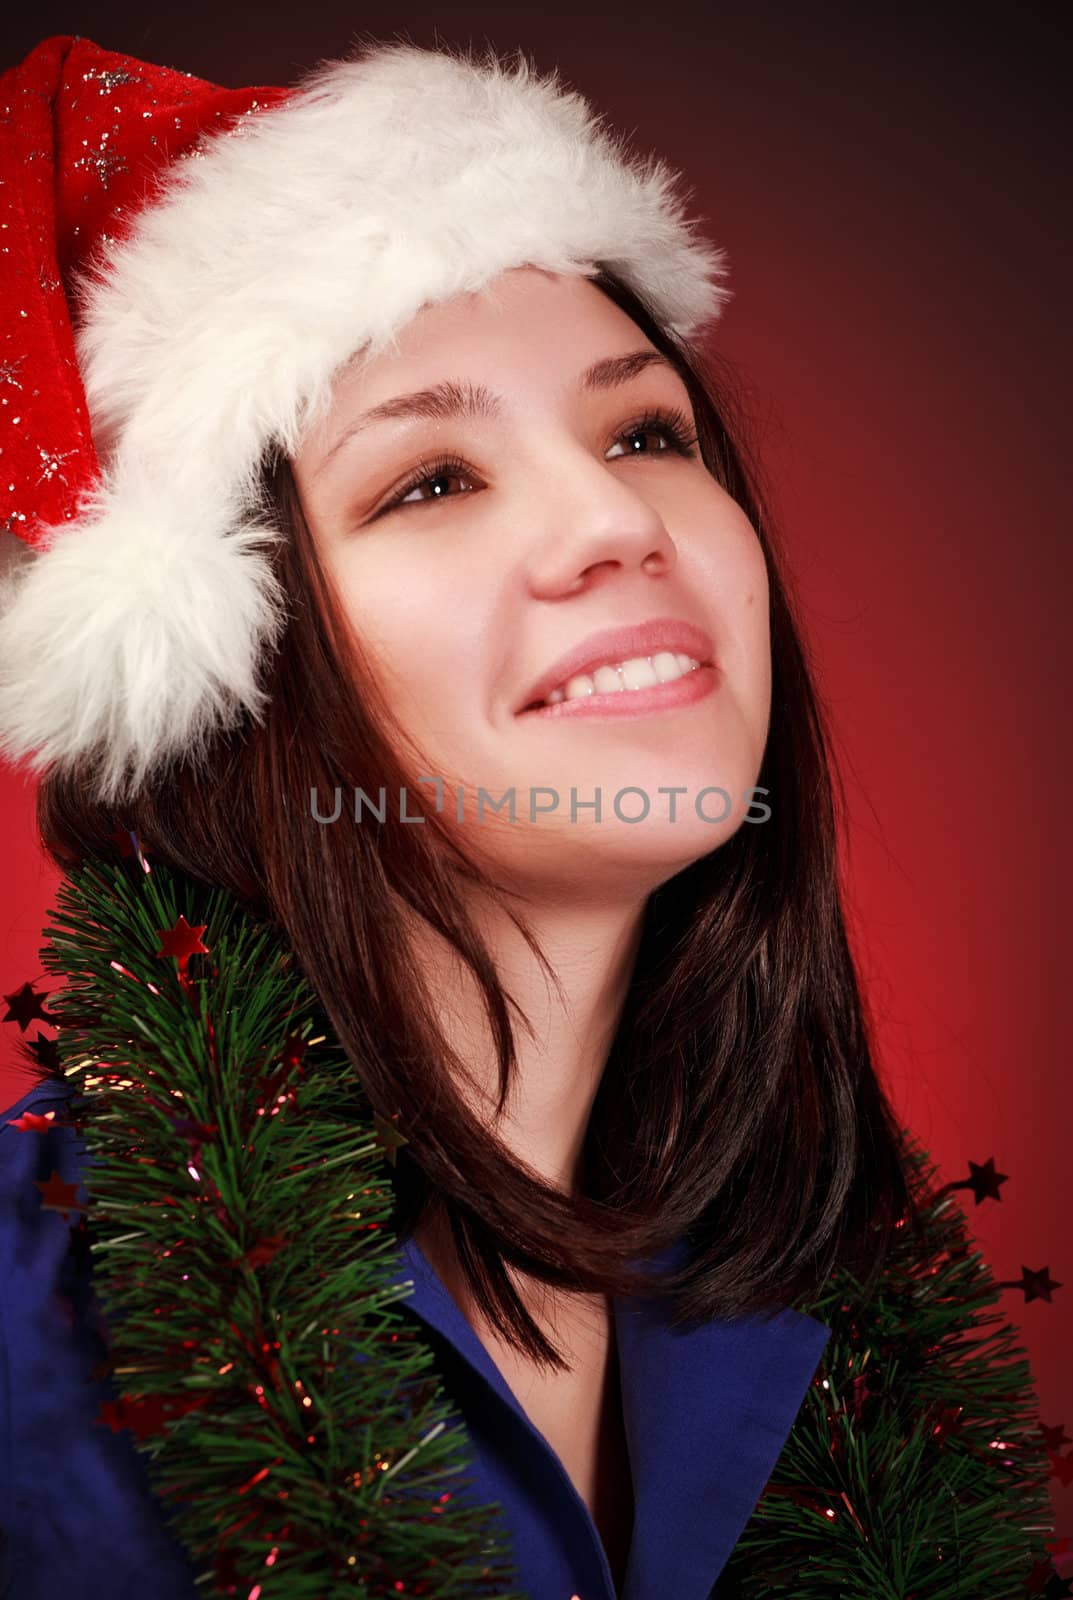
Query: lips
x,y
621,644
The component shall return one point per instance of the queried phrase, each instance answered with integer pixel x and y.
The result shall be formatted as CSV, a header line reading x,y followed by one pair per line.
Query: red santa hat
x,y
183,270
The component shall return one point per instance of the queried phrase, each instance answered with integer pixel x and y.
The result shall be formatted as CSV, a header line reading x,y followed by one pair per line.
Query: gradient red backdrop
x,y
893,196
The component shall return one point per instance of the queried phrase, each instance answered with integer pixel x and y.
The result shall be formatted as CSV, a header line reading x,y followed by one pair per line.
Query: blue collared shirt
x,y
707,1410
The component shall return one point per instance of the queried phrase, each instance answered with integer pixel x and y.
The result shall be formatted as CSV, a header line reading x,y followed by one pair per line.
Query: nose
x,y
619,532
655,564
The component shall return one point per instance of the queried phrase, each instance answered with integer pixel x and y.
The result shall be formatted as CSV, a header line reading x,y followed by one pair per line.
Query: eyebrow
x,y
447,400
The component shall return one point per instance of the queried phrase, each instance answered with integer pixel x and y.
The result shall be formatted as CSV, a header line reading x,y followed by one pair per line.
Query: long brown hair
x,y
739,1102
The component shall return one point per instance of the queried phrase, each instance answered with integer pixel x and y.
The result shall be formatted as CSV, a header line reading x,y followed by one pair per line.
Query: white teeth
x,y
640,672
669,666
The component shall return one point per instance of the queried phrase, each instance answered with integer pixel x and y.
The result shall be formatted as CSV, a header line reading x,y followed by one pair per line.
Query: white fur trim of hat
x,y
136,630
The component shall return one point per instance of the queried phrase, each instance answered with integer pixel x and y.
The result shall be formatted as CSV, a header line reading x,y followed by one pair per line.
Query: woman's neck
x,y
593,951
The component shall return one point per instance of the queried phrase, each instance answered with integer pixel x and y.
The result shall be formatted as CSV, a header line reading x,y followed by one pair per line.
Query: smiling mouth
x,y
625,691
618,705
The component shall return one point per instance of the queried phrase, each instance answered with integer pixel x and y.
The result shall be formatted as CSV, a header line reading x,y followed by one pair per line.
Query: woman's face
x,y
566,519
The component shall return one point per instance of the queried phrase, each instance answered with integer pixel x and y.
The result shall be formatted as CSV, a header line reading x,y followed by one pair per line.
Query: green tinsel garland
x,y
916,1469
284,1405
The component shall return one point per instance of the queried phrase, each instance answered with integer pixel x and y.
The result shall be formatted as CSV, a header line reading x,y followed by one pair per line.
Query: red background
x,y
892,195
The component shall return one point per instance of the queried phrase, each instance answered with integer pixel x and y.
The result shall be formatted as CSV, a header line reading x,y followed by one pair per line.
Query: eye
x,y
671,424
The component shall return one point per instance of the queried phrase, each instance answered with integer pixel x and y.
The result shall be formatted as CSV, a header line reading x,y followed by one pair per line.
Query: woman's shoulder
x,y
41,1161
78,1516
45,1100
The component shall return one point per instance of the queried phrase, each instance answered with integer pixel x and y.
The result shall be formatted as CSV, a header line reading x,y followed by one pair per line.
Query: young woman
x,y
425,603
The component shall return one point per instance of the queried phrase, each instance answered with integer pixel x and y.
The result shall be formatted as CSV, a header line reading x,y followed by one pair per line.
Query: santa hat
x,y
184,268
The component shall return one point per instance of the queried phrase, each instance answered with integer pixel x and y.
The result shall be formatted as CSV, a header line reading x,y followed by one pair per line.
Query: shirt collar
x,y
707,1410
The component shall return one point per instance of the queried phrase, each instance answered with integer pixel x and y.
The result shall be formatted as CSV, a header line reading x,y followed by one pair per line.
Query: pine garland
x,y
242,1255
288,1414
916,1469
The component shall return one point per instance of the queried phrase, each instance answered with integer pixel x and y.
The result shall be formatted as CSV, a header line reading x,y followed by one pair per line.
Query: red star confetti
x,y
944,1419
58,1196
262,1252
982,1180
146,1417
388,1137
1036,1285
194,1132
45,1052
182,941
121,838
25,1005
32,1122
1054,1438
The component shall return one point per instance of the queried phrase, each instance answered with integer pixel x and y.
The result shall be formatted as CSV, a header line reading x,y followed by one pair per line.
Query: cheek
x,y
756,624
728,560
418,641
740,575
746,571
757,603
397,589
